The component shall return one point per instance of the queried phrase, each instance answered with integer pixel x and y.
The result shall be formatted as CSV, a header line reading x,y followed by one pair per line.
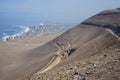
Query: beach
x,y
9,32
87,51
13,52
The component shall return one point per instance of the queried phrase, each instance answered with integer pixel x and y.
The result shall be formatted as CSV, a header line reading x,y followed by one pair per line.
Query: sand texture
x,y
78,43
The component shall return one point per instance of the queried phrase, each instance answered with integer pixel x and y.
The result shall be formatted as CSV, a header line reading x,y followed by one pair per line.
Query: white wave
x,y
9,37
5,38
25,28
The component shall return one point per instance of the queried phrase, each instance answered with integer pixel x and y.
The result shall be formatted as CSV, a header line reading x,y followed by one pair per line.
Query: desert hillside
x,y
88,51
96,50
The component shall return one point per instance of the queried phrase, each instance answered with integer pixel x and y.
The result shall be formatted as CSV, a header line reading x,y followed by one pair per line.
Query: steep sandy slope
x,y
85,40
105,65
92,36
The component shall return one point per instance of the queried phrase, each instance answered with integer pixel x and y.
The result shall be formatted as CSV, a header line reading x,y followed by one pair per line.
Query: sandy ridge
x,y
53,62
113,34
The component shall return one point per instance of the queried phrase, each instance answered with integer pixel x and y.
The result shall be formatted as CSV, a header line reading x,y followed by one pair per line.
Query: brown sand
x,y
86,40
14,52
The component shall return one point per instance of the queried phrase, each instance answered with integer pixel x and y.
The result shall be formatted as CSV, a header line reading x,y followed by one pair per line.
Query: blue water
x,y
9,30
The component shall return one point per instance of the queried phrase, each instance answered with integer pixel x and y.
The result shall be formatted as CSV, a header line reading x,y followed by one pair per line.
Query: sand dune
x,y
85,40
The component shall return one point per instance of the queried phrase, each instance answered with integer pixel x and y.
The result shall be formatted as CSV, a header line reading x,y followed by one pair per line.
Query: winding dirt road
x,y
52,63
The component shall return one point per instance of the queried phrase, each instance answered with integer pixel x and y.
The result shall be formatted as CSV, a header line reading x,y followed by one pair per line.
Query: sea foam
x,y
39,30
25,29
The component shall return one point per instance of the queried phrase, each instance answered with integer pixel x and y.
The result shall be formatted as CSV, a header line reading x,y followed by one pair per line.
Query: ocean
x,y
12,31
8,32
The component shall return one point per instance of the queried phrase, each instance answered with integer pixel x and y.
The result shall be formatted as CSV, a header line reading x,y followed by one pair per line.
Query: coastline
x,y
21,58
20,34
39,30
16,50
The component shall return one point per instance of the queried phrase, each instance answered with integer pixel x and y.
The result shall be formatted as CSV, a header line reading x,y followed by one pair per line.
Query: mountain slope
x,y
90,39
86,39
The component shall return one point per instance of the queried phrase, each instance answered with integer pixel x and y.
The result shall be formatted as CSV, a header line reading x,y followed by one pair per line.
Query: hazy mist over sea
x,y
64,11
27,13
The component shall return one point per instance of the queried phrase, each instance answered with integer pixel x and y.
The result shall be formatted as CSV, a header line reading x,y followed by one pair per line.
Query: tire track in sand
x,y
53,62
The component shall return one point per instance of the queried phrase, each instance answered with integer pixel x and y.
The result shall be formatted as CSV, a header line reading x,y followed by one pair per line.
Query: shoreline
x,y
29,37
15,53
41,30
25,29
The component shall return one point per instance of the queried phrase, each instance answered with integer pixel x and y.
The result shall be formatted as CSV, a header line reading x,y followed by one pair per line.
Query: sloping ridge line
x,y
53,62
56,59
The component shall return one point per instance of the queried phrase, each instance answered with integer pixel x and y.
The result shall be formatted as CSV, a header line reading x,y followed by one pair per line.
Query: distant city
x,y
39,30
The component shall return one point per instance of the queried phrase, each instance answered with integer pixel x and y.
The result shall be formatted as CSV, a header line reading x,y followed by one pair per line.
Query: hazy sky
x,y
28,11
